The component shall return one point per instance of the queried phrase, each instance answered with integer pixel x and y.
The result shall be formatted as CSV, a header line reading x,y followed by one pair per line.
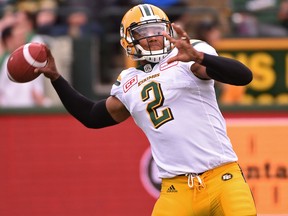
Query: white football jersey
x,y
179,114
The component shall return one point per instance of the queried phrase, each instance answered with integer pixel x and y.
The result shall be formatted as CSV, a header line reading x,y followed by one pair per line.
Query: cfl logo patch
x,y
227,176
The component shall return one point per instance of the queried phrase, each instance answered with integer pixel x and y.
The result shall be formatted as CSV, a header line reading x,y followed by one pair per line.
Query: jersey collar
x,y
147,68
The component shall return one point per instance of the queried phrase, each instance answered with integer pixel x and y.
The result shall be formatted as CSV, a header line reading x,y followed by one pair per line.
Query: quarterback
x,y
171,97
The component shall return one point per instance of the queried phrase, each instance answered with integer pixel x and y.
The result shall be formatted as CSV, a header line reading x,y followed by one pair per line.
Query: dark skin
x,y
186,53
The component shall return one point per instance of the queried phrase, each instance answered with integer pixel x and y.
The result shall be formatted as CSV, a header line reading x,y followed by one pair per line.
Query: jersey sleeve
x,y
117,87
202,46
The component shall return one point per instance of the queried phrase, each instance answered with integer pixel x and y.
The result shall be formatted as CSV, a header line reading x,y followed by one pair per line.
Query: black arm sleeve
x,y
227,70
91,114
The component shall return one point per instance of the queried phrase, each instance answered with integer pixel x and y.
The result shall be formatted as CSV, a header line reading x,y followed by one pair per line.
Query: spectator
x,y
26,24
282,14
79,24
247,24
46,22
208,31
76,22
7,18
13,94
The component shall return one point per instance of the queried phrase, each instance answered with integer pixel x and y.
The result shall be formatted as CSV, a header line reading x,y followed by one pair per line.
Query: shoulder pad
x,y
122,75
194,42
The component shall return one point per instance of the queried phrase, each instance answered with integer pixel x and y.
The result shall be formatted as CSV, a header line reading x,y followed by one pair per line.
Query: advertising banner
x,y
52,165
268,60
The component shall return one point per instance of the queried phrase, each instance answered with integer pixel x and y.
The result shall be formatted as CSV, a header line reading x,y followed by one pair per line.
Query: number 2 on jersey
x,y
155,106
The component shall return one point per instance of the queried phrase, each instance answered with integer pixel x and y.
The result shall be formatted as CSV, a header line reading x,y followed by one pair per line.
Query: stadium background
x,y
51,165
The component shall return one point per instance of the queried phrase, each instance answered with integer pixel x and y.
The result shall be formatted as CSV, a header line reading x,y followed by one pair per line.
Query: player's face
x,y
150,36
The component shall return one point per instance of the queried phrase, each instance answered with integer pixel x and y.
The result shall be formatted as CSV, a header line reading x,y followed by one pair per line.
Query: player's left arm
x,y
222,69
207,66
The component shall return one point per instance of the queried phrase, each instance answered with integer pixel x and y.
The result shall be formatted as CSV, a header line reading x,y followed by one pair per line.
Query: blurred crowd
x,y
48,21
40,21
265,18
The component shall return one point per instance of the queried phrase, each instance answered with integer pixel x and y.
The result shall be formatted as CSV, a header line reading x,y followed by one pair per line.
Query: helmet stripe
x,y
146,10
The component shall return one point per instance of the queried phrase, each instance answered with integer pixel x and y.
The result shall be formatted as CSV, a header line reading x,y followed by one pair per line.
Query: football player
x,y
171,97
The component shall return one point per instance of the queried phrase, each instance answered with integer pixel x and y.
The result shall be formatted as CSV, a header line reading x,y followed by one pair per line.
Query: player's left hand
x,y
186,52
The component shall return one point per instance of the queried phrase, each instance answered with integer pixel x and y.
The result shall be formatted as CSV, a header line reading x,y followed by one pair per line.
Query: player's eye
x,y
148,31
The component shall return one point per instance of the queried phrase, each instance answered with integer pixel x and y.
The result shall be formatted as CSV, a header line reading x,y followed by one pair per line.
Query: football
x,y
24,60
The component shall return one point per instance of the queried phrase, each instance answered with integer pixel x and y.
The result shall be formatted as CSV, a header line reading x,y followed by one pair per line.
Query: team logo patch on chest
x,y
130,83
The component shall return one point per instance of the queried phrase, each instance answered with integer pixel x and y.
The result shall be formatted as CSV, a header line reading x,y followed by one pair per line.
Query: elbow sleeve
x,y
227,70
89,113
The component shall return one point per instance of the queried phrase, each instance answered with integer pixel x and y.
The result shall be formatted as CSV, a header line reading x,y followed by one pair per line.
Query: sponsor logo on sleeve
x,y
130,83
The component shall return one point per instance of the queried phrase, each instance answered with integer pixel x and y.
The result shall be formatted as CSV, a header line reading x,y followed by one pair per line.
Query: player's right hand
x,y
50,70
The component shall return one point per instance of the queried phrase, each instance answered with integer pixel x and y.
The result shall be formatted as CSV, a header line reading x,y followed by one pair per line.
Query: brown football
x,y
23,61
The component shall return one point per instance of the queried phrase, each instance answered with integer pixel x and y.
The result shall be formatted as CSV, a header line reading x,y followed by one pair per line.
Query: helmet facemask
x,y
146,30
